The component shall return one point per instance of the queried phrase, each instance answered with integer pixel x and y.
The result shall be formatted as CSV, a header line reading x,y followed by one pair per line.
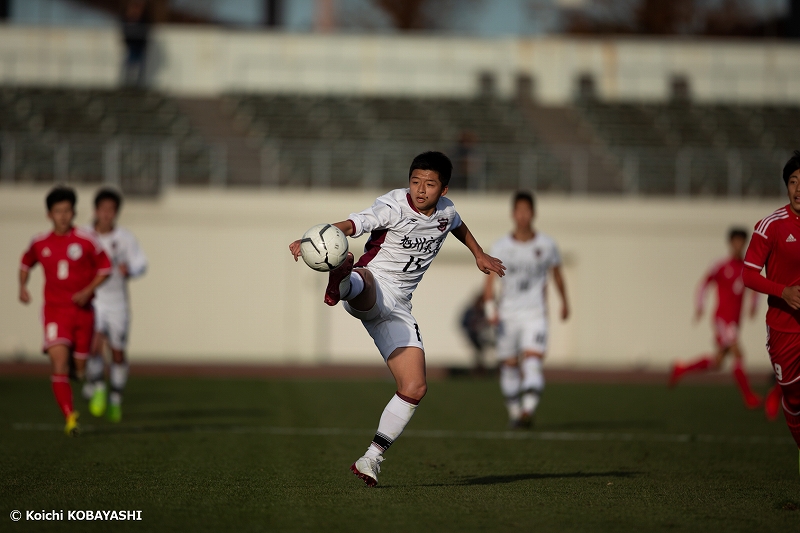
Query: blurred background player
x,y
112,309
726,274
478,331
74,266
521,315
776,248
407,229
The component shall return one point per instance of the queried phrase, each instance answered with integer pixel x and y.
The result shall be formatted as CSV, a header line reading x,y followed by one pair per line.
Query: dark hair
x,y
107,193
737,232
791,165
436,161
524,196
60,193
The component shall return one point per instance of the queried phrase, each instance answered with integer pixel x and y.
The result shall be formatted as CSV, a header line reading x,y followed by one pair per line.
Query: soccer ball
x,y
323,247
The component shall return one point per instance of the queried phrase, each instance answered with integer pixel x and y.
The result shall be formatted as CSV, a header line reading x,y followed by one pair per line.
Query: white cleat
x,y
368,468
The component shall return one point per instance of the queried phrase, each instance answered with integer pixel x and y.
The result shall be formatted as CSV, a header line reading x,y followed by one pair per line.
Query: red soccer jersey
x,y
775,247
727,275
70,263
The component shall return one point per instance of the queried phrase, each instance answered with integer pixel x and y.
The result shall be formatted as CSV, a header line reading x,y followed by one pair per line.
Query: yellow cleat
x,y
71,429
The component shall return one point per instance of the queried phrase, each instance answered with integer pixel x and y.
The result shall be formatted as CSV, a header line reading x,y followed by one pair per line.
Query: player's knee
x,y
414,389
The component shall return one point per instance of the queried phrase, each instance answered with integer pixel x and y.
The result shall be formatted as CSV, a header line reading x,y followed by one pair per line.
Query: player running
x,y
112,311
521,315
774,247
74,266
407,228
726,274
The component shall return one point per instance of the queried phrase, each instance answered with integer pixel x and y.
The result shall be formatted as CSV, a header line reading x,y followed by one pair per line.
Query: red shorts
x,y
72,326
725,333
784,352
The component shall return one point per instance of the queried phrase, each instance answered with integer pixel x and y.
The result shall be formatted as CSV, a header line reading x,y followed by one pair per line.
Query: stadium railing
x,y
148,165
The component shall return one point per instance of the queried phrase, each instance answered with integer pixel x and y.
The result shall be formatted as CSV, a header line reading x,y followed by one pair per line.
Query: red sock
x,y
772,405
701,364
62,392
741,381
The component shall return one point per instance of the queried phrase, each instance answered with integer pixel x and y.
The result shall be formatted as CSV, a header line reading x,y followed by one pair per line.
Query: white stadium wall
x,y
193,61
222,286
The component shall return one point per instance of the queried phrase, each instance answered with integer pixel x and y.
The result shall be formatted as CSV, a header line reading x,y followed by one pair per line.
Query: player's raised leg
x,y
702,363
407,365
59,360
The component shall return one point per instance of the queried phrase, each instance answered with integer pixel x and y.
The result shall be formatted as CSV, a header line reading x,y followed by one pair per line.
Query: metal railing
x,y
146,166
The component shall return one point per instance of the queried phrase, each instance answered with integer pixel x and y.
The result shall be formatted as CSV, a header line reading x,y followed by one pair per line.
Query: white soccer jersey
x,y
122,248
403,241
525,282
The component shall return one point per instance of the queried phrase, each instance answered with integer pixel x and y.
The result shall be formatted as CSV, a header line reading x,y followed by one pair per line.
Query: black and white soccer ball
x,y
323,247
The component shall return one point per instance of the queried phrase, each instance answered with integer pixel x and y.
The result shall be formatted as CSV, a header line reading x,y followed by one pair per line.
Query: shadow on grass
x,y
512,478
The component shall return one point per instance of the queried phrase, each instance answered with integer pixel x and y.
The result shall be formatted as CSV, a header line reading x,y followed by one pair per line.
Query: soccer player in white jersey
x,y
407,228
521,310
112,311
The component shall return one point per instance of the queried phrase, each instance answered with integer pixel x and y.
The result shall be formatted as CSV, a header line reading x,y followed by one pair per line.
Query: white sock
x,y
510,387
532,376
351,286
118,378
532,383
393,421
530,400
95,367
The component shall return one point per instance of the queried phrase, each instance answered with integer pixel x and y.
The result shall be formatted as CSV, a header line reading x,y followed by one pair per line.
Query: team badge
x,y
46,252
443,223
74,251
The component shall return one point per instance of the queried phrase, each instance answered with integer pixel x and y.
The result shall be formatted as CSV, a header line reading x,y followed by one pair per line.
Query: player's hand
x,y
487,264
295,249
565,311
24,295
81,298
123,270
792,296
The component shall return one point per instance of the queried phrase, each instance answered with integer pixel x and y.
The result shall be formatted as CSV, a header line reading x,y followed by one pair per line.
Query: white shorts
x,y
113,322
389,323
517,335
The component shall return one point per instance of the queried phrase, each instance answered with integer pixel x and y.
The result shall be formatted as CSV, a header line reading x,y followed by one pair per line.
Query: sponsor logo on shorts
x,y
51,331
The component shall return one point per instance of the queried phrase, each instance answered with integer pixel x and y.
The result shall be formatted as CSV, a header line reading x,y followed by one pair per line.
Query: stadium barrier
x,y
148,166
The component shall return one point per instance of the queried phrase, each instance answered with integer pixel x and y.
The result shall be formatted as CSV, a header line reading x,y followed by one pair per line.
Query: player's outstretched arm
x,y
24,295
485,262
346,226
561,286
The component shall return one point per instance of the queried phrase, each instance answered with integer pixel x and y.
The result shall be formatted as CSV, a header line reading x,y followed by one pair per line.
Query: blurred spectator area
x,y
144,141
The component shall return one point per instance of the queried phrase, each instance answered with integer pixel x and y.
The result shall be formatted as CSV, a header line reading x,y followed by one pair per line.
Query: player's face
x,y
737,246
61,214
522,214
793,189
425,189
105,213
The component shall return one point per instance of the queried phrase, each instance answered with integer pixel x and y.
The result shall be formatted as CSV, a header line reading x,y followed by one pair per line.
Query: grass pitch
x,y
251,455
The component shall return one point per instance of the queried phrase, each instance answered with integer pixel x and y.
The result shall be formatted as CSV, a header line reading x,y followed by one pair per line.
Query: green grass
x,y
202,455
